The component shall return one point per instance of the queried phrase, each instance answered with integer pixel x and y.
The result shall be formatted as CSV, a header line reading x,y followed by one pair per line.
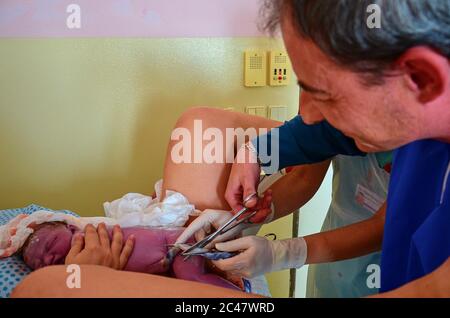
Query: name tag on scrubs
x,y
368,199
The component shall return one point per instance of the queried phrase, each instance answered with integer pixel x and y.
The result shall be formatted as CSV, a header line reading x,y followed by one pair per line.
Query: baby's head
x,y
48,245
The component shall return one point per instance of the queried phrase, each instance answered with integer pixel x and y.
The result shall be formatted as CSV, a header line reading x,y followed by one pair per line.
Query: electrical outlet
x,y
256,111
279,113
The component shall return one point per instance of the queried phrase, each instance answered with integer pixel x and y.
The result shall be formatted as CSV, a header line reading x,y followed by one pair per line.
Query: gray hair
x,y
339,28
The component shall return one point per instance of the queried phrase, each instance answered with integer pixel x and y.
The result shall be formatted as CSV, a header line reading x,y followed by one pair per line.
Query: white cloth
x,y
136,209
131,210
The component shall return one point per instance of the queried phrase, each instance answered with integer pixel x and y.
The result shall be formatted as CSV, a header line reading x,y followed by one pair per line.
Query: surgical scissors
x,y
223,228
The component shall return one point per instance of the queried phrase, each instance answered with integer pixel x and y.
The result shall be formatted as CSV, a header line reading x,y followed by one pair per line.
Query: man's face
x,y
378,118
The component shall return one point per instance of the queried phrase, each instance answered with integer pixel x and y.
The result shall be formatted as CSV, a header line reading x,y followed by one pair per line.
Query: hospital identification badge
x,y
368,199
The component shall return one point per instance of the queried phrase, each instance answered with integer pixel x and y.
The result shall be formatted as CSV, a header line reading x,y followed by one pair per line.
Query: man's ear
x,y
427,71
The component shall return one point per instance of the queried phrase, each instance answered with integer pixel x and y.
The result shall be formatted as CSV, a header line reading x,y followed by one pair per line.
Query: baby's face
x,y
49,245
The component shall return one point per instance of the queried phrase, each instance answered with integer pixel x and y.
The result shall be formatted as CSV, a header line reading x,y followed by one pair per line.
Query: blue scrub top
x,y
300,143
417,230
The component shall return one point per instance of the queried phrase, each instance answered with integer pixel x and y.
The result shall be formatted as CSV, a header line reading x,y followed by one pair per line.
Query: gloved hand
x,y
206,222
210,220
259,255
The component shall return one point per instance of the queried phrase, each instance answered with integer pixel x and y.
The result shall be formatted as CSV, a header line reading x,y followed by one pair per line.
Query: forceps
x,y
223,229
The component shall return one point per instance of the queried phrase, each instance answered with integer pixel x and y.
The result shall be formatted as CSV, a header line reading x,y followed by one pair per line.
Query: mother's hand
x,y
94,248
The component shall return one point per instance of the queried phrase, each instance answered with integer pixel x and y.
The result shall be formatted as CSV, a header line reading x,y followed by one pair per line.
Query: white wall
x,y
312,216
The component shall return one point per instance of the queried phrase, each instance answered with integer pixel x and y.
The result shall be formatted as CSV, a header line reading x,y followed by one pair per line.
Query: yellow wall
x,y
279,281
83,121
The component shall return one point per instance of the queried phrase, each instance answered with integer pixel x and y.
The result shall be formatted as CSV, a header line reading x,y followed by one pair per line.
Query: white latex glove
x,y
206,222
259,255
209,221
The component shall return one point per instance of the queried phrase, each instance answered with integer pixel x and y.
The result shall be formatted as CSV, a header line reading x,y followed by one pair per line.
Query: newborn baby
x,y
50,243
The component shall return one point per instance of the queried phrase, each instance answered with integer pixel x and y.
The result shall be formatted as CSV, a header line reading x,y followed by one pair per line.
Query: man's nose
x,y
309,113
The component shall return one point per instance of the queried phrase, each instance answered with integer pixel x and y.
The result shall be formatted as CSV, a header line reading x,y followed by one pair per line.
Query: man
x,y
353,226
386,88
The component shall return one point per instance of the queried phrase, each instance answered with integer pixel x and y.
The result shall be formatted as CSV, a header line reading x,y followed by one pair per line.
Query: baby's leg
x,y
150,249
194,269
202,183
100,281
